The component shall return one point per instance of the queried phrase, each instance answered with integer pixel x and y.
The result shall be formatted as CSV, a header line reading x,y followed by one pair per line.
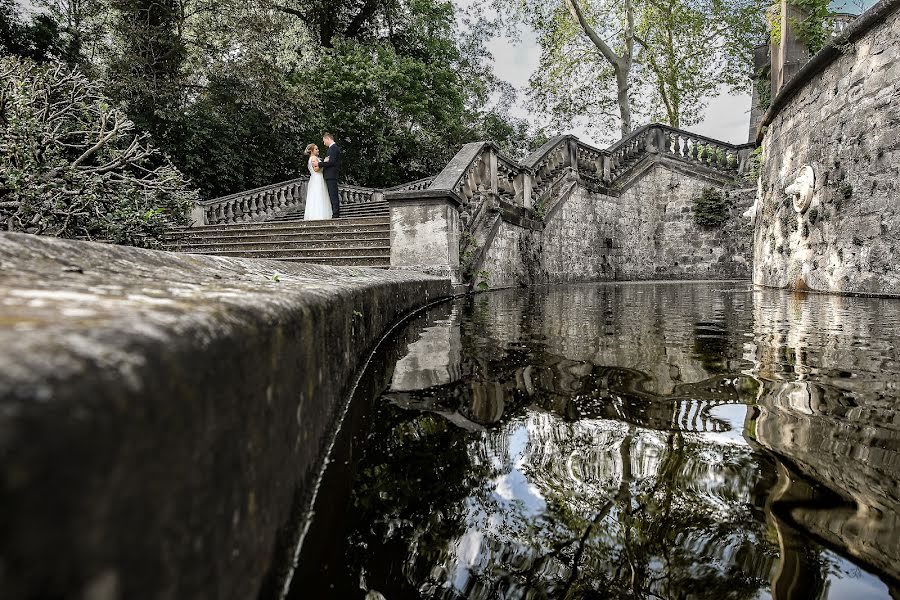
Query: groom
x,y
332,173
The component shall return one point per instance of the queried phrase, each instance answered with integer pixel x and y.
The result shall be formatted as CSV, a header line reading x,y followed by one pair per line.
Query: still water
x,y
685,440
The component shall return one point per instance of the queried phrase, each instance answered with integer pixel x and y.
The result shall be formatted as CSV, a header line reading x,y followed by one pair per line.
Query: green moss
x,y
711,208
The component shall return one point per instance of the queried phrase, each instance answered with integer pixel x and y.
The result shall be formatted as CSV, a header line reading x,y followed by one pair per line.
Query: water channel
x,y
673,440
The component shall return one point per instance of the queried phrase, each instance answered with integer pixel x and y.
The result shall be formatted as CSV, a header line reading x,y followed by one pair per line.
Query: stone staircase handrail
x,y
417,185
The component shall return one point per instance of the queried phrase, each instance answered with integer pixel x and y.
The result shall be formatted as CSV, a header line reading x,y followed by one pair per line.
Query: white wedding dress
x,y
318,204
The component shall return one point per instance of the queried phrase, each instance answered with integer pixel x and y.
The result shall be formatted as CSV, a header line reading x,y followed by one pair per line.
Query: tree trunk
x,y
623,99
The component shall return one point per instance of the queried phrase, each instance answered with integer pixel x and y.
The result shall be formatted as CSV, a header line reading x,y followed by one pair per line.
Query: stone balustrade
x,y
480,168
418,185
264,203
259,204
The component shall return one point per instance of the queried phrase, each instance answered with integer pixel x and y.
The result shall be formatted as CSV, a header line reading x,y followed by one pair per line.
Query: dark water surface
x,y
621,441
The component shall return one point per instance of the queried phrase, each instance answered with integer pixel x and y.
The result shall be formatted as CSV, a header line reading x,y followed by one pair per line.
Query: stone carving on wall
x,y
802,189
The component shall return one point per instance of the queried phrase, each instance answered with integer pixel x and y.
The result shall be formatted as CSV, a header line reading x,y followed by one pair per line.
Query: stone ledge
x,y
824,57
424,196
163,417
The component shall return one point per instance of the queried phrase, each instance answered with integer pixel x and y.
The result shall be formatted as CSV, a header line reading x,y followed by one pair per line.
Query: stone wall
x,y
842,117
514,257
163,417
660,239
582,240
647,232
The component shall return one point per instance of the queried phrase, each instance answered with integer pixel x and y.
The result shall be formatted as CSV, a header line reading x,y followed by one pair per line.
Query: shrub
x,y
72,165
711,208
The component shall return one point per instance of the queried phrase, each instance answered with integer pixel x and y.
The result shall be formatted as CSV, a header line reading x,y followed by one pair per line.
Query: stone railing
x,y
258,204
264,203
419,184
447,228
480,168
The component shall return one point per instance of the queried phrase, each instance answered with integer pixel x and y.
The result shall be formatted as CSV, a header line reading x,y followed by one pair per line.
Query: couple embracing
x,y
322,200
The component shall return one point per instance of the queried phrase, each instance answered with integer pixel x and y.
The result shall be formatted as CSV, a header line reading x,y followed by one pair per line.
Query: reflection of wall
x,y
431,360
828,404
649,328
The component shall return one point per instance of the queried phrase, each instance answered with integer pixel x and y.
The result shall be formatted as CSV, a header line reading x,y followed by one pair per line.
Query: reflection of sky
x,y
852,582
734,415
514,486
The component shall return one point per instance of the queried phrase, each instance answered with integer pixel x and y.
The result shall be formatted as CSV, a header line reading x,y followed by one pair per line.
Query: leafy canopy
x,y
74,165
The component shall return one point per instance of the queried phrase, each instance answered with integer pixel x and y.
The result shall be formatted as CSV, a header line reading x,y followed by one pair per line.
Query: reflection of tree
x,y
538,474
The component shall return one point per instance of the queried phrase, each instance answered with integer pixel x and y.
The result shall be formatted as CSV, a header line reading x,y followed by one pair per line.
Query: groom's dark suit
x,y
332,173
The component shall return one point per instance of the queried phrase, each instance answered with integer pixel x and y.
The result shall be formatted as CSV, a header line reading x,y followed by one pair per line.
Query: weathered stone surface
x,y
647,233
845,122
163,416
425,232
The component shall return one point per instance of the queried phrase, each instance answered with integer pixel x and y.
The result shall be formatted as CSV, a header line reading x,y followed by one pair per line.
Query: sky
x,y
727,116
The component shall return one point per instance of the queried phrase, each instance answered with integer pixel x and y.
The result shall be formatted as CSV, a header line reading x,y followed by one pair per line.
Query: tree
x,y
74,166
690,48
39,38
627,59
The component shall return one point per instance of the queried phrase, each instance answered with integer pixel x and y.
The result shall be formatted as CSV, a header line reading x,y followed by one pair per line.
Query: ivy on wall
x,y
813,31
711,208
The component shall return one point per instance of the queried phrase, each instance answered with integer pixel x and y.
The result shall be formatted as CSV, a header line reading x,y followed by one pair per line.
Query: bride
x,y
318,204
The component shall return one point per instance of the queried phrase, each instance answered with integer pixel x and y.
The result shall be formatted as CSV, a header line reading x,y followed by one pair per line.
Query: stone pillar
x,y
573,154
425,232
791,54
523,188
198,216
492,165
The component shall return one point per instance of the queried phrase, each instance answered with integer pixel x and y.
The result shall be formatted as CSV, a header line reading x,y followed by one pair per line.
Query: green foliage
x,y
813,30
683,53
74,165
233,103
763,93
39,39
711,208
540,211
757,162
482,278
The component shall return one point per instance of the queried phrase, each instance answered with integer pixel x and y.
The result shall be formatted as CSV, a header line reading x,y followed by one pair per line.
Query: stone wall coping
x,y
176,387
430,195
450,176
824,57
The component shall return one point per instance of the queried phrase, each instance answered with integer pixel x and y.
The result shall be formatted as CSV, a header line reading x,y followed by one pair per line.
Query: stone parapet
x,y
425,231
164,417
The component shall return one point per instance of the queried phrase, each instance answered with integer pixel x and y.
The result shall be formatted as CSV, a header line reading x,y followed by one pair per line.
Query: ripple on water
x,y
649,441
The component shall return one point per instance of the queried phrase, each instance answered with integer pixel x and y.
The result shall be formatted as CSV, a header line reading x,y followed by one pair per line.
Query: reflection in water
x,y
628,441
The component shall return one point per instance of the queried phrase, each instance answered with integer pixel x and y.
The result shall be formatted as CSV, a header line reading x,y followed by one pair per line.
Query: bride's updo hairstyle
x,y
310,148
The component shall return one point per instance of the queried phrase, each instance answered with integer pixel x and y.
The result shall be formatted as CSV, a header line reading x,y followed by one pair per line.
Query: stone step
x,y
242,245
383,252
343,261
369,209
279,236
334,225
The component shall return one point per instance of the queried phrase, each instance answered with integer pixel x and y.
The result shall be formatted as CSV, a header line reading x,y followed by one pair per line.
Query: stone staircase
x,y
352,241
377,208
